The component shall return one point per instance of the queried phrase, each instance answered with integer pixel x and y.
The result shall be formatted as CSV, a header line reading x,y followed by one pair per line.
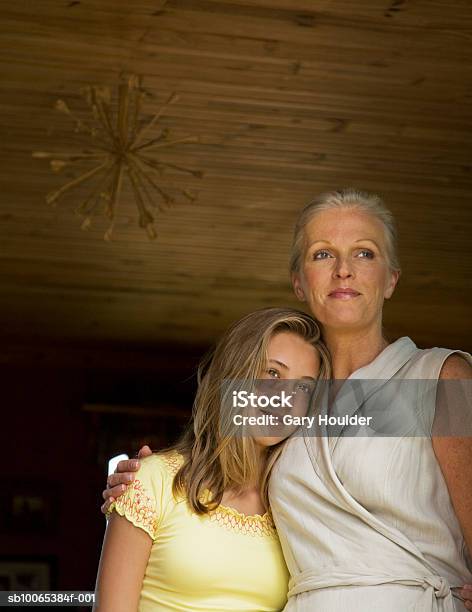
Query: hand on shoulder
x,y
123,476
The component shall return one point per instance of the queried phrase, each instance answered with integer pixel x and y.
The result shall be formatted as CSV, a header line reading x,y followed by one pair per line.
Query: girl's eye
x,y
273,372
304,387
366,254
321,255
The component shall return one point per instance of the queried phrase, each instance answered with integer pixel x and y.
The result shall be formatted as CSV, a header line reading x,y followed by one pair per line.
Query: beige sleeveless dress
x,y
366,523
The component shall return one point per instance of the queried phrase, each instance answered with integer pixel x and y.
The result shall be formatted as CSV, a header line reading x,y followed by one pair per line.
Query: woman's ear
x,y
297,287
390,288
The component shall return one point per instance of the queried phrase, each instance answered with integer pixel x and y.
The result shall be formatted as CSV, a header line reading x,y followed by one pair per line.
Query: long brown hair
x,y
215,462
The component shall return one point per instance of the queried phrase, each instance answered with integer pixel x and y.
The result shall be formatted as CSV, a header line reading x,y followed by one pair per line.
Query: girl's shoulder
x,y
149,498
157,471
170,461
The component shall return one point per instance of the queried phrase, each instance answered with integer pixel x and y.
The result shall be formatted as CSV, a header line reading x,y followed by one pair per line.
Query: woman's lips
x,y
344,294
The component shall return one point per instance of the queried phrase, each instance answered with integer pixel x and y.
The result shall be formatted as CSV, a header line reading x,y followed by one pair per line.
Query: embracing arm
x,y
454,455
123,561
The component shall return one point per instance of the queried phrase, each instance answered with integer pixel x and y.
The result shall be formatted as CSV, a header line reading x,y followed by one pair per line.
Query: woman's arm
x,y
125,553
454,453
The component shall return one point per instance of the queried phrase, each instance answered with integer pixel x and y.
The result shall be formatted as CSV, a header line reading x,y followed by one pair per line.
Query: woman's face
x,y
296,363
345,275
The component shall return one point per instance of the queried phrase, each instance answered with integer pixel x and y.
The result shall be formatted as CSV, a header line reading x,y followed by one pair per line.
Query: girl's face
x,y
292,359
345,275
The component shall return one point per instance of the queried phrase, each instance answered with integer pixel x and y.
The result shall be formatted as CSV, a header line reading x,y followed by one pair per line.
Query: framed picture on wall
x,y
29,507
116,429
27,573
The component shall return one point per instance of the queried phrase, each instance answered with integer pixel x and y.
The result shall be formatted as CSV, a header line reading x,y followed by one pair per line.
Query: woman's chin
x,y
348,313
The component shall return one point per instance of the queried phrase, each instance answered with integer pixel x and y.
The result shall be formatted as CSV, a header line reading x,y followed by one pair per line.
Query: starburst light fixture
x,y
119,147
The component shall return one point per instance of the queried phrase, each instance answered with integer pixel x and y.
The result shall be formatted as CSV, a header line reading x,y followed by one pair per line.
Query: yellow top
x,y
218,562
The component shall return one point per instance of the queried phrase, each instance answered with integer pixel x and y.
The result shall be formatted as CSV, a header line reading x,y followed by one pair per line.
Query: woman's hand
x,y
123,475
466,594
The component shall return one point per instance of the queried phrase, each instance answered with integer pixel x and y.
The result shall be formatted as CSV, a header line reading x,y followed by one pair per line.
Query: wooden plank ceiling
x,y
288,98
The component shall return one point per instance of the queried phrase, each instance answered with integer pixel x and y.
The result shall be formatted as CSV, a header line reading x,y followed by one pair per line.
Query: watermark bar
x,y
46,598
407,408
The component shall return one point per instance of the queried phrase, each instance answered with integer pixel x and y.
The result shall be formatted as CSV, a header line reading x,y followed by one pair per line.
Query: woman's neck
x,y
353,350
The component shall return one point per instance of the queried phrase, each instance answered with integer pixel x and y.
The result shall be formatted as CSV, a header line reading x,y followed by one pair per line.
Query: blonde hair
x,y
346,199
217,462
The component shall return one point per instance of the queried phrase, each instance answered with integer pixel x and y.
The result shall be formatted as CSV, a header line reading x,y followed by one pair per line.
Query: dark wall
x,y
45,440
55,450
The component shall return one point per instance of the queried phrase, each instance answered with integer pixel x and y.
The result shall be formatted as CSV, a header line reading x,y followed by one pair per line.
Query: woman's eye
x,y
321,255
366,254
273,372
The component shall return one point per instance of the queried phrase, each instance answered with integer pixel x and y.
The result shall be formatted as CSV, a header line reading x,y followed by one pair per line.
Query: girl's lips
x,y
344,294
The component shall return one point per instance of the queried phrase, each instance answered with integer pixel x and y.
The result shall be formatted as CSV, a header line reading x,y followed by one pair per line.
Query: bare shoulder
x,y
456,367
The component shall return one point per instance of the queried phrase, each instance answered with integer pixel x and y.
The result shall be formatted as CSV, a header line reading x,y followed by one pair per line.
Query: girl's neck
x,y
248,499
353,350
247,502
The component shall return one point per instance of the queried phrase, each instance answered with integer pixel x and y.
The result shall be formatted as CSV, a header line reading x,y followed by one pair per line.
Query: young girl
x,y
193,531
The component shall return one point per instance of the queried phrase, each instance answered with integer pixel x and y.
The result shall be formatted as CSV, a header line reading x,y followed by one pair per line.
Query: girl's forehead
x,y
290,348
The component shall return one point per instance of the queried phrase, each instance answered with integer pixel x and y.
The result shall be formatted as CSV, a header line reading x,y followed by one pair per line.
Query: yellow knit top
x,y
221,562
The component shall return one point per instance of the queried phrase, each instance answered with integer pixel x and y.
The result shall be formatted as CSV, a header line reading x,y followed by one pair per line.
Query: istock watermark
x,y
244,399
265,408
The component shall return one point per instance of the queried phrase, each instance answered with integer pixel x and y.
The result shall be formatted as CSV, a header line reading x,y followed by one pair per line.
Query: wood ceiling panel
x,y
288,98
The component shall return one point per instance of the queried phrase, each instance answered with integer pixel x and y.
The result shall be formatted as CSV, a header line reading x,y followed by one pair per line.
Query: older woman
x,y
370,522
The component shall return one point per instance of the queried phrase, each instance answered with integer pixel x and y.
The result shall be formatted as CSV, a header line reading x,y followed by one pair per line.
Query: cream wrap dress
x,y
366,523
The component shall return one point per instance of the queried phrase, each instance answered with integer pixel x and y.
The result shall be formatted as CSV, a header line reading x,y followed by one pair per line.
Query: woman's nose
x,y
343,269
